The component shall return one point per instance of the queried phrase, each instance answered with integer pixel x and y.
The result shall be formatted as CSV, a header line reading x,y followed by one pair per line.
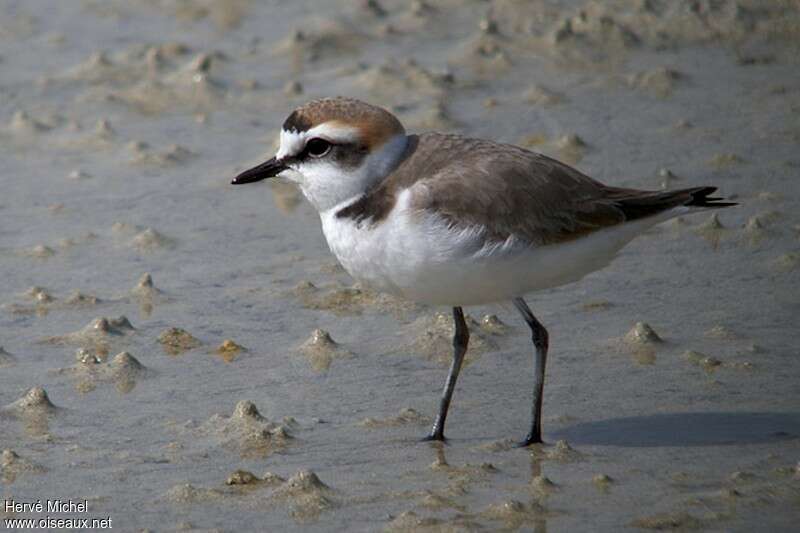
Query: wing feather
x,y
512,191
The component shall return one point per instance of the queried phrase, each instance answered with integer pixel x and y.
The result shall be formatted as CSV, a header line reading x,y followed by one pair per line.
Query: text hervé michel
x,y
51,506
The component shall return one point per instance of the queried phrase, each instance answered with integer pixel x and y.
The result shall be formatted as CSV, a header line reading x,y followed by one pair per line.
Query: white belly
x,y
419,258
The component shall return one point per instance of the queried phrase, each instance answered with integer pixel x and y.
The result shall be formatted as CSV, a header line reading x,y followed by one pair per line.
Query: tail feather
x,y
636,204
701,198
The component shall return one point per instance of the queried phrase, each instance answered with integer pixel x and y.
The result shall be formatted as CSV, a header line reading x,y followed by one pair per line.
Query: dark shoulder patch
x,y
377,203
297,122
374,207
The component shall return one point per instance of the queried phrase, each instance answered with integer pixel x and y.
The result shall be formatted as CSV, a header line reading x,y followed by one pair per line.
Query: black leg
x,y
540,342
460,341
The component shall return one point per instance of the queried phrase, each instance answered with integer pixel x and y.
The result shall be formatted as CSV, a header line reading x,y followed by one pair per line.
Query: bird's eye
x,y
317,147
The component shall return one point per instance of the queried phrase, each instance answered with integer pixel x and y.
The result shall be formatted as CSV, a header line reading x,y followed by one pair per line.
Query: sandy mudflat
x,y
229,376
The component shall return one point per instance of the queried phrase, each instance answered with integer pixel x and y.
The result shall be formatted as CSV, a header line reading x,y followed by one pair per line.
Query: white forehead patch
x,y
293,142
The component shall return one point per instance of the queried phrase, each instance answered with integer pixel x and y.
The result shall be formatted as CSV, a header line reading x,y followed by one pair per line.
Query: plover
x,y
443,219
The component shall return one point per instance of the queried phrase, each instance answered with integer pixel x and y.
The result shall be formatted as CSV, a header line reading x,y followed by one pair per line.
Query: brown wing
x,y
512,191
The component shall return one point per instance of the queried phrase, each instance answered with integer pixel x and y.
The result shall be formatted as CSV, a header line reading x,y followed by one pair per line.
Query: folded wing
x,y
512,191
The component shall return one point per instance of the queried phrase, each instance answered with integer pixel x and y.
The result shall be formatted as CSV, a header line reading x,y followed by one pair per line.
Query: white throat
x,y
326,185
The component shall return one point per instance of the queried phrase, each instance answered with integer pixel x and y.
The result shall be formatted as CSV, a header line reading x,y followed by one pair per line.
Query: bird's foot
x,y
434,437
530,439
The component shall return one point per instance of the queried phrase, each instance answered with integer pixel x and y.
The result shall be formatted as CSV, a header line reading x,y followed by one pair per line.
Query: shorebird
x,y
444,219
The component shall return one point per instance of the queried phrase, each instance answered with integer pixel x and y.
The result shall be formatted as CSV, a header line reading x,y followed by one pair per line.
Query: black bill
x,y
267,169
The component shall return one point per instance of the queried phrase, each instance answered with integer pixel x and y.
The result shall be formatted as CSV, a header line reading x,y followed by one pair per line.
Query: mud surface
x,y
671,399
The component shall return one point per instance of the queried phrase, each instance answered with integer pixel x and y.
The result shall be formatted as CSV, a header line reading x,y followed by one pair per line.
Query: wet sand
x,y
186,355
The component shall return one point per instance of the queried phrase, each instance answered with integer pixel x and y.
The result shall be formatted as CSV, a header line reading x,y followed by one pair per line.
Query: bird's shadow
x,y
685,429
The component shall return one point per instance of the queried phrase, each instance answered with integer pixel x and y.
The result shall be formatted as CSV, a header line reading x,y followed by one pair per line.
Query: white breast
x,y
371,253
419,257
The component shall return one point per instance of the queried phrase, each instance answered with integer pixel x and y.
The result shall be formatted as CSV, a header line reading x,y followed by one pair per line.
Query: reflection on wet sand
x,y
687,429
